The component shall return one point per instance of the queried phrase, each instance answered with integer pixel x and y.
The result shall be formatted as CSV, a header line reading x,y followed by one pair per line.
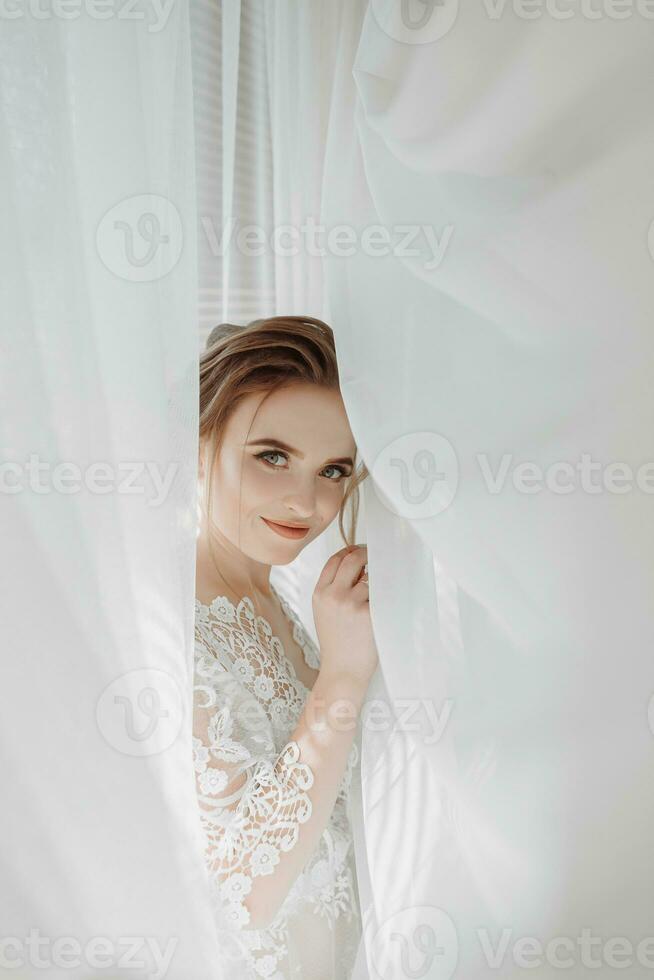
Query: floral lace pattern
x,y
252,785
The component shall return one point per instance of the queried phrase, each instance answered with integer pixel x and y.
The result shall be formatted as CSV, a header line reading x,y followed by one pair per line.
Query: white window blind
x,y
233,160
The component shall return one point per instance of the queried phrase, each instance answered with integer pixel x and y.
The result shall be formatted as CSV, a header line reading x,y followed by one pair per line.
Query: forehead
x,y
308,417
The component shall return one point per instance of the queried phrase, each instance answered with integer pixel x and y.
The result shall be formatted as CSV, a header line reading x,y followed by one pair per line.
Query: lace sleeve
x,y
252,799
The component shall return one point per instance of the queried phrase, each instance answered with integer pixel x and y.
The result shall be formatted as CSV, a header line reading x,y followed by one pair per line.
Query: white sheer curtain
x,y
519,333
491,292
102,872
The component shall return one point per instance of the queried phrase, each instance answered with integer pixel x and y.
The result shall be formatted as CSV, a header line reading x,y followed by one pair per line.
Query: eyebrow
x,y
295,452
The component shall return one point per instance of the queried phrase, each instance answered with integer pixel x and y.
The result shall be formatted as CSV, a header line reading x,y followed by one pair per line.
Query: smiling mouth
x,y
286,530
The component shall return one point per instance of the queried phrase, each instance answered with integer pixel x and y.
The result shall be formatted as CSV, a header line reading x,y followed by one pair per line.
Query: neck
x,y
221,569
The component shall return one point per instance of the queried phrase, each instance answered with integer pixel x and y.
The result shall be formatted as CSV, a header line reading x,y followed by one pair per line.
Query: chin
x,y
286,555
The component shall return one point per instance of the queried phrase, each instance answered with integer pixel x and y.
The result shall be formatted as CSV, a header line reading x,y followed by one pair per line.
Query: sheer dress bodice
x,y
253,791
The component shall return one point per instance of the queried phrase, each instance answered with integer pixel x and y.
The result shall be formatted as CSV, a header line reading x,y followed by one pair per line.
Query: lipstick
x,y
285,531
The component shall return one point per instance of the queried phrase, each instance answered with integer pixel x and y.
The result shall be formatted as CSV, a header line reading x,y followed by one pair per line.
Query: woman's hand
x,y
341,612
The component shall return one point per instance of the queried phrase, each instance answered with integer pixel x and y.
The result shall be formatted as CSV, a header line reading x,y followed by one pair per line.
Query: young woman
x,y
275,716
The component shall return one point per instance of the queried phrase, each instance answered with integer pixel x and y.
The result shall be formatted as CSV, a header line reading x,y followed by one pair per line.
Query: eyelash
x,y
277,452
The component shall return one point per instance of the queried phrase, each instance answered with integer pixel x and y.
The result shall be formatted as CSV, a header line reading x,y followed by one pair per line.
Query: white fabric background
x,y
533,338
98,824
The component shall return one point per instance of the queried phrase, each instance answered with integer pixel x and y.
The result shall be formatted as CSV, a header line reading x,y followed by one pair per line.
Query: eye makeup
x,y
343,470
278,444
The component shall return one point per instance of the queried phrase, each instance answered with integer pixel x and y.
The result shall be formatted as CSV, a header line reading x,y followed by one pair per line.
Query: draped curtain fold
x,y
504,357
99,842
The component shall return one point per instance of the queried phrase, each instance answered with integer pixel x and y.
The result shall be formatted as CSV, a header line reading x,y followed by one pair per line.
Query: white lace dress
x,y
247,702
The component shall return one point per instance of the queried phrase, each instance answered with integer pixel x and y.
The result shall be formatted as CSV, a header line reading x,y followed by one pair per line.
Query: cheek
x,y
227,476
330,498
261,486
237,487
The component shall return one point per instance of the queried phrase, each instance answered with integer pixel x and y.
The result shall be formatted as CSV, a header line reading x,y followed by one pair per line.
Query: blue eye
x,y
271,452
340,470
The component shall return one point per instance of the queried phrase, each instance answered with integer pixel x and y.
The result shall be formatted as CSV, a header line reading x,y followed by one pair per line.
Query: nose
x,y
301,502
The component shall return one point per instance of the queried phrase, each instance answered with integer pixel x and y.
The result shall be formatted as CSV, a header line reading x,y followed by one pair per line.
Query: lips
x,y
286,531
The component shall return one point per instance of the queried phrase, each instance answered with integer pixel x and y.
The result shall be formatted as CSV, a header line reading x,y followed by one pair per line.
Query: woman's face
x,y
288,465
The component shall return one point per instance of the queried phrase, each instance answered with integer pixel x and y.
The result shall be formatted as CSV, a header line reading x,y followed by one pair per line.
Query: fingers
x,y
332,566
351,566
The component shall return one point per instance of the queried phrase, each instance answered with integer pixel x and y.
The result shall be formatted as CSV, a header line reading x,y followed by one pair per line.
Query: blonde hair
x,y
264,356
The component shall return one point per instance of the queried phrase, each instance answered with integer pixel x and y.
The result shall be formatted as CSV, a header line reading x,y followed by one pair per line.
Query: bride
x,y
275,716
